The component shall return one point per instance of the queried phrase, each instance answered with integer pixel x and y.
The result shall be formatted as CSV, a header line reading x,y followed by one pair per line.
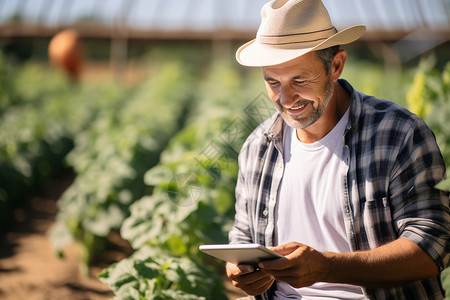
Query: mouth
x,y
297,109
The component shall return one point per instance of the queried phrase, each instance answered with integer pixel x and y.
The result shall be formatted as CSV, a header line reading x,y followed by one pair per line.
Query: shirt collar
x,y
355,105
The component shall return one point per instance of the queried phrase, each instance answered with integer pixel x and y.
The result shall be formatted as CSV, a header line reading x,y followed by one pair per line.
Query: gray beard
x,y
316,113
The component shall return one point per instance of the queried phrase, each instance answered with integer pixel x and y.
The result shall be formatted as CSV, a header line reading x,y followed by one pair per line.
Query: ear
x,y
337,65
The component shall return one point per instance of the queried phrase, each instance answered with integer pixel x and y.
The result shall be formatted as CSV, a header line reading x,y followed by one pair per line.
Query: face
x,y
300,90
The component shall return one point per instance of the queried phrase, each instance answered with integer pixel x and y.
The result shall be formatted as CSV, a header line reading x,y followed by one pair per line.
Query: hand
x,y
301,265
250,280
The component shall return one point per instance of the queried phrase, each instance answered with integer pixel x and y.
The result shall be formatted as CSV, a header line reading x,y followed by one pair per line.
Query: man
x,y
338,182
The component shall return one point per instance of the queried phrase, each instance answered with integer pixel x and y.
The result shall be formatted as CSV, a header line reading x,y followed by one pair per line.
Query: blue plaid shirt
x,y
392,165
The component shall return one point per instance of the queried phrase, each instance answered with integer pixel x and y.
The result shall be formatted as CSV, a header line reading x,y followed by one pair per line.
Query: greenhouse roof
x,y
206,18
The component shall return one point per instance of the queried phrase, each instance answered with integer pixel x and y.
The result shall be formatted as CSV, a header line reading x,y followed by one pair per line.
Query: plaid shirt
x,y
392,164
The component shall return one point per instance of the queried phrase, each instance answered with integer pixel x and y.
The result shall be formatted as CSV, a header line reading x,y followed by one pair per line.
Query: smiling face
x,y
300,89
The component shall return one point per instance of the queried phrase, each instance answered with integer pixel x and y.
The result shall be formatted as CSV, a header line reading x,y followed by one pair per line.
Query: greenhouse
x,y
122,122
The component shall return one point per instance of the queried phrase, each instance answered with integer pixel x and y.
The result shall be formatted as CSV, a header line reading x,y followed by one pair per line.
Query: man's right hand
x,y
250,280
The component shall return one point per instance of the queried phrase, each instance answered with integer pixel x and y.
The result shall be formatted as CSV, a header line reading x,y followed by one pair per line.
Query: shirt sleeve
x,y
421,212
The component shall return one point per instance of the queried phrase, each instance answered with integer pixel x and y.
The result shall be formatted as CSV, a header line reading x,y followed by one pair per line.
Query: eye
x,y
272,83
300,82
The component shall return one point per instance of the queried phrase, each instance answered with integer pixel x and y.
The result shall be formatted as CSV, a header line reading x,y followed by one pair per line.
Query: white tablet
x,y
249,254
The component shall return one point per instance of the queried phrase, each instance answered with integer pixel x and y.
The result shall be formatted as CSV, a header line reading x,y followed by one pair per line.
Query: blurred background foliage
x,y
154,152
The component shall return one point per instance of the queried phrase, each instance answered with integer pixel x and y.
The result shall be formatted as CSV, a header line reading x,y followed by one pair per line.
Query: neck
x,y
338,105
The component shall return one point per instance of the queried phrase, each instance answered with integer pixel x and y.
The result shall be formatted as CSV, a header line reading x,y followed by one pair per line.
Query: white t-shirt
x,y
309,207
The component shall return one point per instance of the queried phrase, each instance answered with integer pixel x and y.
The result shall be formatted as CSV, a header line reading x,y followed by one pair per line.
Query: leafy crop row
x,y
111,156
192,201
40,114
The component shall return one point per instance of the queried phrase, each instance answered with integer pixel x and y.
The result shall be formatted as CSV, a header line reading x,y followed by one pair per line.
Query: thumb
x,y
286,249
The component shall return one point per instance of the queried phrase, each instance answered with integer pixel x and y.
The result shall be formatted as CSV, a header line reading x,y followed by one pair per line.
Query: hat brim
x,y
255,54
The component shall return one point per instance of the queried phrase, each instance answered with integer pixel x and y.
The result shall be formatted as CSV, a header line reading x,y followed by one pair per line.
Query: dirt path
x,y
29,268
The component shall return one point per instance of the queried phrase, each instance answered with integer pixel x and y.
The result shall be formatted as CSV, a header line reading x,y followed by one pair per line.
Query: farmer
x,y
338,182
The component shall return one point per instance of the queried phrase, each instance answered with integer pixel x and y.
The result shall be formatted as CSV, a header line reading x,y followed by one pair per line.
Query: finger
x,y
250,278
257,286
286,249
275,264
259,289
234,271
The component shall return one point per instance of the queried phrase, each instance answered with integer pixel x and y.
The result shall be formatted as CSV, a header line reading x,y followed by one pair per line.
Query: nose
x,y
288,96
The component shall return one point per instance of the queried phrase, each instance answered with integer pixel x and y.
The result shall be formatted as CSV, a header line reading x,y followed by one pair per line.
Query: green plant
x,y
193,187
445,275
38,124
445,278
111,156
192,200
429,96
373,79
152,274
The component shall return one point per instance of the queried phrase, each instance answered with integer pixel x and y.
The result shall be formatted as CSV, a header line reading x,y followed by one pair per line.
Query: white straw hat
x,y
291,28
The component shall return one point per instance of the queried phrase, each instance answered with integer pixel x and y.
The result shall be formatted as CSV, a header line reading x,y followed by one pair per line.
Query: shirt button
x,y
265,212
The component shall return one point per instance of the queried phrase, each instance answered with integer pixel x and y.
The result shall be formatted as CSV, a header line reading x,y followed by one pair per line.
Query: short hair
x,y
326,56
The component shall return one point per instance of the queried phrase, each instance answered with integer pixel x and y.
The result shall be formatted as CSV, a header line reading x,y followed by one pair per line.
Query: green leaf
x,y
444,185
176,245
158,175
445,278
148,269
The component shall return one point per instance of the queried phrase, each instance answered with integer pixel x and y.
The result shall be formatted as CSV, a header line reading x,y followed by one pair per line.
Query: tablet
x,y
250,254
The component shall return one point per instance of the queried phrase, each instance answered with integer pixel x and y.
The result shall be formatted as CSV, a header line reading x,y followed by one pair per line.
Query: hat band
x,y
296,38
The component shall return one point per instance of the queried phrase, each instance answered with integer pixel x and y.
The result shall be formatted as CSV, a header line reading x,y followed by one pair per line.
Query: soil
x,y
30,268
